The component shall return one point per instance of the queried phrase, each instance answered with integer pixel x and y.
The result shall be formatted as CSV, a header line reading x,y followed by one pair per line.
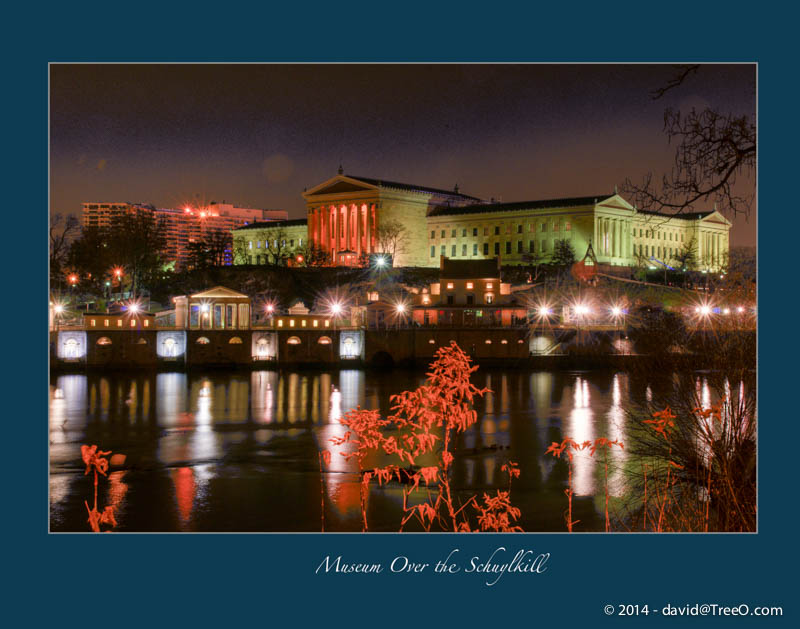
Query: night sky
x,y
257,135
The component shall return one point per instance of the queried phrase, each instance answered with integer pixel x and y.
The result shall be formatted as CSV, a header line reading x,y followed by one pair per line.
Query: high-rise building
x,y
182,226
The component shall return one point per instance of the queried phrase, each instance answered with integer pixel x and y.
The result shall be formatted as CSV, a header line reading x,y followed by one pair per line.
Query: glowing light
x,y
705,310
299,258
73,279
544,311
336,308
740,310
269,308
59,308
380,261
204,308
580,309
726,311
187,209
133,308
616,311
400,308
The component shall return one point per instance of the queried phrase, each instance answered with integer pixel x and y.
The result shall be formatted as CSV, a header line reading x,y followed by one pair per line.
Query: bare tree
x,y
314,255
392,237
686,256
63,230
713,150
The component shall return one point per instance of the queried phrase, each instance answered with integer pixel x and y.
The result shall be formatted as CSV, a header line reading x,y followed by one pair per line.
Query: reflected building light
x,y
351,383
183,479
489,468
469,472
335,411
291,401
170,397
116,492
580,427
617,486
504,394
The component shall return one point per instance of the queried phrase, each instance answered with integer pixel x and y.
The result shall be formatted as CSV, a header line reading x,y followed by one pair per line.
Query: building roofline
x,y
481,208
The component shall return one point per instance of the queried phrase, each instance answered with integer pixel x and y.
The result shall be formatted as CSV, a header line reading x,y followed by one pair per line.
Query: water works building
x,y
345,215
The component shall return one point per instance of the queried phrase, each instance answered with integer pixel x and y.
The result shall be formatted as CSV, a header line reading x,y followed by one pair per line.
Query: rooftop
x,y
385,183
468,269
480,208
295,222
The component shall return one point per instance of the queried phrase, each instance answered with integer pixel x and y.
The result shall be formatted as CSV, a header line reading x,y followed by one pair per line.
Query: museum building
x,y
345,215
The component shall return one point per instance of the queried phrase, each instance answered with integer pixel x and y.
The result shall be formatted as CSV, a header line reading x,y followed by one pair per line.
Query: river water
x,y
239,451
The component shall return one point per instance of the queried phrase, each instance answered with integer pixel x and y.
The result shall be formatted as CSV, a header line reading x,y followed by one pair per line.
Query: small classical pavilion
x,y
218,308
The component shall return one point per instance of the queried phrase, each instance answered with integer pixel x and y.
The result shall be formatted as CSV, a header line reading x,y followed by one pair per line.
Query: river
x,y
239,451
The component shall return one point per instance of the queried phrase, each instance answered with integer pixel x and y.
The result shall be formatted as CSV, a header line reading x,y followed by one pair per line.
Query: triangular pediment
x,y
340,184
716,217
219,292
617,202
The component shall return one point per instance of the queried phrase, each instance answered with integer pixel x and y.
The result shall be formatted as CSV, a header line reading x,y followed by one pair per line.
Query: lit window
x,y
469,285
432,342
291,323
449,285
488,286
104,340
489,298
280,323
202,341
426,299
324,340
316,323
293,340
105,322
504,342
250,245
133,323
488,341
119,323
141,342
146,323
327,323
93,322
303,323
235,341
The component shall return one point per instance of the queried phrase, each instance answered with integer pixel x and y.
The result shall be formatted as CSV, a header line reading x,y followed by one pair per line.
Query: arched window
x,y
293,340
202,341
103,340
488,341
141,342
325,340
235,340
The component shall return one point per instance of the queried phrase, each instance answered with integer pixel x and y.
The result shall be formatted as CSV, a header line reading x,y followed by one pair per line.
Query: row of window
x,y
531,228
304,323
107,323
651,233
520,248
235,340
274,243
488,341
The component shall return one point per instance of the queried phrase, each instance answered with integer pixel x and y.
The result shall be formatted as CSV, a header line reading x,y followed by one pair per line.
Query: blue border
x,y
211,580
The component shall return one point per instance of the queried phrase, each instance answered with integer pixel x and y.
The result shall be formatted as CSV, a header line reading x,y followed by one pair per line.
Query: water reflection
x,y
201,446
580,427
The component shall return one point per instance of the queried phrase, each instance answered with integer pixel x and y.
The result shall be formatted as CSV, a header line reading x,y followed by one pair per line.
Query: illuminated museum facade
x,y
345,215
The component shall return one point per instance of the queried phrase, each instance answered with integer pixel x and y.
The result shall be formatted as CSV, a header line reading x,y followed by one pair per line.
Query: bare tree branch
x,y
682,73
